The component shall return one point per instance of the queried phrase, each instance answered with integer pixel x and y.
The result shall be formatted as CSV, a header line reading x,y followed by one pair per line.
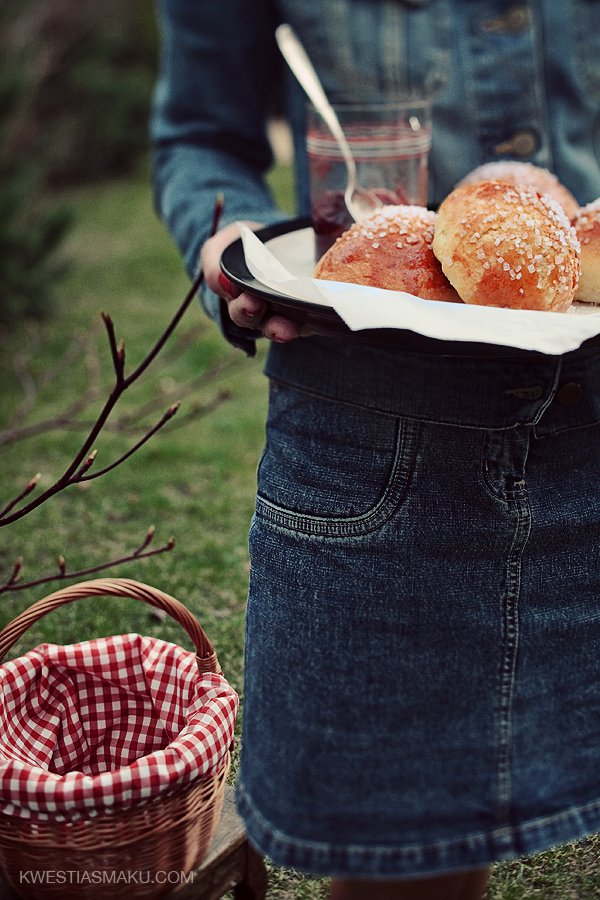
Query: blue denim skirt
x,y
423,629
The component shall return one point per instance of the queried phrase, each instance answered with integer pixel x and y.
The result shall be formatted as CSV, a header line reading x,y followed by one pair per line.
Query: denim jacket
x,y
516,79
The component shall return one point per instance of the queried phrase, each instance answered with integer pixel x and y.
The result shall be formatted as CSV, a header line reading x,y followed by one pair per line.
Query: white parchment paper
x,y
286,264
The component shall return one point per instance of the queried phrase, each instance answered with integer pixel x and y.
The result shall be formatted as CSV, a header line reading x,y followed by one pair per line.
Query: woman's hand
x,y
246,310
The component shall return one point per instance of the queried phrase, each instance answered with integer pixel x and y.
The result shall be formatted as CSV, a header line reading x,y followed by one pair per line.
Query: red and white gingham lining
x,y
99,726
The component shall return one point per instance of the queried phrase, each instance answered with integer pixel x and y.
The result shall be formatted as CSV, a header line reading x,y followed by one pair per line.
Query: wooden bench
x,y
231,865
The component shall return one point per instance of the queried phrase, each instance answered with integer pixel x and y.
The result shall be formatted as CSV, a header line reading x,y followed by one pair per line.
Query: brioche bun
x,y
507,246
527,175
390,248
587,226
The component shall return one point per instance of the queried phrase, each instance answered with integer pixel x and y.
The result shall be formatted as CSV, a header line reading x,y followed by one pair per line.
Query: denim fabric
x,y
423,680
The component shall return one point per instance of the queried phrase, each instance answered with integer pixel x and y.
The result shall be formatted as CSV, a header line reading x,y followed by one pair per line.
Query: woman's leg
x,y
461,886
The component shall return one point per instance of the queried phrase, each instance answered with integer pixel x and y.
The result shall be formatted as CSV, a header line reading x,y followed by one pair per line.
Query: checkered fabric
x,y
98,726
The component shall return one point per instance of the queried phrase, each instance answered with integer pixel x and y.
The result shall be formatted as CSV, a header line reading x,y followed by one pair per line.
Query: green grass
x,y
194,482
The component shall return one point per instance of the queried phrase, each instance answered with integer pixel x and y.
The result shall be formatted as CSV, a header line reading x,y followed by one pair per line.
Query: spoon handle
x,y
295,55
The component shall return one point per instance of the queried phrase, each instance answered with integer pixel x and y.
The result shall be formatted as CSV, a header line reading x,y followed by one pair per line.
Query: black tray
x,y
325,321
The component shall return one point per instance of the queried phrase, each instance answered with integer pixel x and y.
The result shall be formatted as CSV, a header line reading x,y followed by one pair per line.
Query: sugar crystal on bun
x,y
507,246
524,174
587,226
391,248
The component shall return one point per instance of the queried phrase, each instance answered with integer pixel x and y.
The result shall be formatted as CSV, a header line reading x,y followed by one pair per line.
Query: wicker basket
x,y
144,851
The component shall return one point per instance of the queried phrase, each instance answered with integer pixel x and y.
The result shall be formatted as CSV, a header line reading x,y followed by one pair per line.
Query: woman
x,y
422,694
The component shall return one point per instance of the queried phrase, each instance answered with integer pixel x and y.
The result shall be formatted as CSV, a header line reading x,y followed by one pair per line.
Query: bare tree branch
x,y
129,421
13,583
70,418
201,409
84,457
166,418
29,487
117,350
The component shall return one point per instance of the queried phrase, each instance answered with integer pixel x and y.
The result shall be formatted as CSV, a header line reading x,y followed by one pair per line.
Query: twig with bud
x,y
14,583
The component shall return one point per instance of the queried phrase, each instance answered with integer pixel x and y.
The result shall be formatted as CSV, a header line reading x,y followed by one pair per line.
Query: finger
x,y
246,310
281,330
210,255
228,288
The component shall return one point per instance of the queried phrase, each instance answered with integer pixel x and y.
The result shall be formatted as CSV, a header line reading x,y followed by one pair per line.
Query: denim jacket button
x,y
515,20
523,142
570,393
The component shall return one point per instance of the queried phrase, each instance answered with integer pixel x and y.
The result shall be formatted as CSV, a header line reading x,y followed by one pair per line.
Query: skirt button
x,y
570,393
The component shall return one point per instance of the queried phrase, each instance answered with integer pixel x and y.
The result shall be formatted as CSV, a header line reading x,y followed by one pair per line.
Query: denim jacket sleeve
x,y
214,86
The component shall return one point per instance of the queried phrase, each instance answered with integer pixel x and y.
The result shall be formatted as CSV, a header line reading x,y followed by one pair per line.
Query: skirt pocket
x,y
329,468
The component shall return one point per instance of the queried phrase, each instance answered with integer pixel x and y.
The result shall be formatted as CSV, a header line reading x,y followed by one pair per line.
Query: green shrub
x,y
88,74
75,84
29,234
29,240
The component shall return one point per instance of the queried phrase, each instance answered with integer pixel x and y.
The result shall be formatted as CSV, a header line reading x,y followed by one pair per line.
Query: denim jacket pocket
x,y
331,469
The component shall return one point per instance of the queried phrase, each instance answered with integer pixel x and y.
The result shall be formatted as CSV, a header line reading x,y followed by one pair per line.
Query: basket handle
x,y
115,587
